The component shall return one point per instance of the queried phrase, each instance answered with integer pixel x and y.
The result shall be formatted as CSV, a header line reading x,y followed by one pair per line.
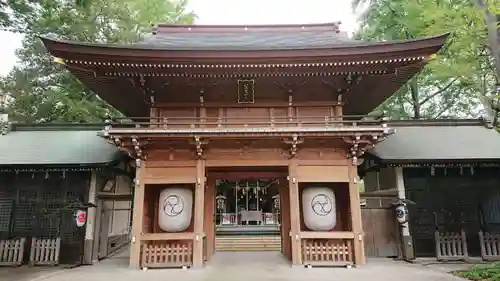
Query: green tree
x,y
39,90
460,82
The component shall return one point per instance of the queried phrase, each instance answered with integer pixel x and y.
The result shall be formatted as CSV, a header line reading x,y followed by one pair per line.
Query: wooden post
x,y
90,228
209,215
137,218
199,199
357,226
294,213
407,241
97,231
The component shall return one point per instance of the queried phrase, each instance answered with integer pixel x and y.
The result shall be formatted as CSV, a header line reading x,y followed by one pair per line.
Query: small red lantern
x,y
80,218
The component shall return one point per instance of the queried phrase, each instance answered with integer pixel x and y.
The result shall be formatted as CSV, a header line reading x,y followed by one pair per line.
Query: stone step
x,y
247,243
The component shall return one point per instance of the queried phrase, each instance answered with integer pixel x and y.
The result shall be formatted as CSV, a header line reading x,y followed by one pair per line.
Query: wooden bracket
x,y
199,143
148,92
359,146
290,88
293,142
138,147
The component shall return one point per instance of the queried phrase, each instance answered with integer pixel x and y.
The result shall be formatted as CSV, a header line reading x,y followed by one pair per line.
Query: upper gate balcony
x,y
242,126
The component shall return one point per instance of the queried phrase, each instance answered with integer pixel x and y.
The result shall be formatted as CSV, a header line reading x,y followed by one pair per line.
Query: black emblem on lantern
x,y
173,205
322,204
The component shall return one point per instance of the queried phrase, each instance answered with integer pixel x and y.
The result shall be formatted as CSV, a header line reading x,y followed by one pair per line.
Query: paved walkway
x,y
245,266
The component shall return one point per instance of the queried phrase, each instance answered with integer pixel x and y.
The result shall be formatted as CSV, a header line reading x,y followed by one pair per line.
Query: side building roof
x,y
56,146
439,141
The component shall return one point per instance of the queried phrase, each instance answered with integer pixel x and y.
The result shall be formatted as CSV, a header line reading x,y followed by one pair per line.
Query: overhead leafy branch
x,y
460,82
41,91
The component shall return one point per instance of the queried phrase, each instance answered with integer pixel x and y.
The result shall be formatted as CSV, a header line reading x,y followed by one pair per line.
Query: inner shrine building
x,y
245,131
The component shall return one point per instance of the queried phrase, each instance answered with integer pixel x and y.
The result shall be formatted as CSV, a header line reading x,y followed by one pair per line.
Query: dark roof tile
x,y
39,145
248,40
439,141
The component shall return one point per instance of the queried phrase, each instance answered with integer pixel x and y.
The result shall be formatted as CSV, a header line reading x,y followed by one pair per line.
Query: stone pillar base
x,y
88,249
407,248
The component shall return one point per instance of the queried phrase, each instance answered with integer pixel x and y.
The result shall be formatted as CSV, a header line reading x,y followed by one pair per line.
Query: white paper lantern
x,y
318,208
175,209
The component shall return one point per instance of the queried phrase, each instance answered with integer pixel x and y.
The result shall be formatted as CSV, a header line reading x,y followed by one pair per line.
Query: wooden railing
x,y
490,246
168,250
327,252
12,251
451,246
167,254
241,122
45,251
327,248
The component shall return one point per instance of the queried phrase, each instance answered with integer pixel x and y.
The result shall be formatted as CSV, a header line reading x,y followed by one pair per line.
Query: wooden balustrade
x,y
168,250
12,252
167,254
243,122
327,252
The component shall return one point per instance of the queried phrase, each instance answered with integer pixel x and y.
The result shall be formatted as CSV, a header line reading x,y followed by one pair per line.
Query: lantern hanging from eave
x,y
80,218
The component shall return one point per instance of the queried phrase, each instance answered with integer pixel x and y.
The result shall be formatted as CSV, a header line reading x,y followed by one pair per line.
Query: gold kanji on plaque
x,y
246,91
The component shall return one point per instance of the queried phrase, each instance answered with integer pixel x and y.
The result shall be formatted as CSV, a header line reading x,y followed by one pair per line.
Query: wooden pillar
x,y
137,218
199,199
293,187
357,226
90,228
285,220
209,215
407,240
97,231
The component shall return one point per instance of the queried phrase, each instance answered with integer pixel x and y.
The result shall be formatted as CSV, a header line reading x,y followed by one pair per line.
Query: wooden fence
x,y
451,246
12,252
167,255
45,251
327,252
490,246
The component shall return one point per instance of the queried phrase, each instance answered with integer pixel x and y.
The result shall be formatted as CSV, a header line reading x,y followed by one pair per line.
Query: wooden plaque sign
x,y
246,91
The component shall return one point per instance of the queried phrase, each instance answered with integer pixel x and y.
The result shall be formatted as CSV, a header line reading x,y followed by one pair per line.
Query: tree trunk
x,y
415,99
493,35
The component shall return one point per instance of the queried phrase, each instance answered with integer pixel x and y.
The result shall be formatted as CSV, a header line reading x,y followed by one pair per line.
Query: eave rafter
x,y
333,68
339,63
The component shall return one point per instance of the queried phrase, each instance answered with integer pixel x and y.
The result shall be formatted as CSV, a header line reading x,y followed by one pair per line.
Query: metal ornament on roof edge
x,y
246,91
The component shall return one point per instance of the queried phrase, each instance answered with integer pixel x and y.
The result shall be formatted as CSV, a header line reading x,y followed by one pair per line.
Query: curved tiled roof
x,y
51,145
439,140
233,38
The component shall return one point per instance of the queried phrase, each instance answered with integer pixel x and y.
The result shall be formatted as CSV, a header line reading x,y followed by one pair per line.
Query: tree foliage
x,y
461,81
41,91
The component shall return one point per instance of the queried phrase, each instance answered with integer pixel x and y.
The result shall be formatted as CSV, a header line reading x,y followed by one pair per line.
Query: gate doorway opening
x,y
248,213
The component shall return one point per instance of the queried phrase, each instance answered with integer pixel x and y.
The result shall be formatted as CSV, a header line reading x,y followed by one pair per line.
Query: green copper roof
x,y
439,140
56,145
